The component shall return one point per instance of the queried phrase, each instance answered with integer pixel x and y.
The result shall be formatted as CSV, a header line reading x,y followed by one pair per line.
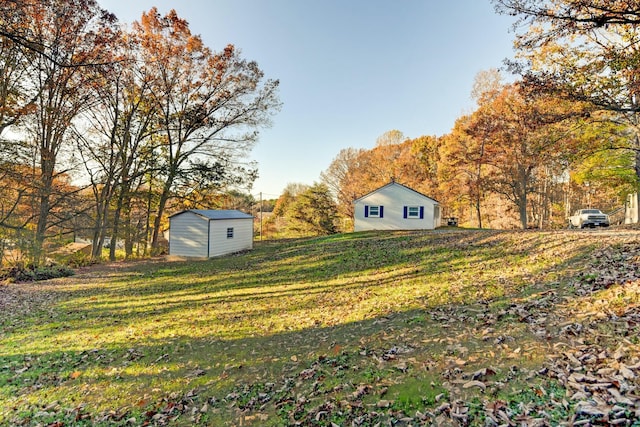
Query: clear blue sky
x,y
349,70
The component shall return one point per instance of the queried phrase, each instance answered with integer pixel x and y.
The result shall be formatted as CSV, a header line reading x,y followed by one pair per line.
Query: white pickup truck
x,y
588,218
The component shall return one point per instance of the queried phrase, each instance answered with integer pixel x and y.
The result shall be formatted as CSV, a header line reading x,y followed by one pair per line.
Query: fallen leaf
x,y
196,373
475,383
483,373
383,404
619,353
619,397
586,408
627,373
402,367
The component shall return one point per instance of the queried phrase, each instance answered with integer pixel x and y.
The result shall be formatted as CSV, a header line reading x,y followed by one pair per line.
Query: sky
x,y
349,70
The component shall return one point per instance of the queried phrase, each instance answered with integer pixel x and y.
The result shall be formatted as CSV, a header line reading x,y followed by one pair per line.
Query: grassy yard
x,y
399,328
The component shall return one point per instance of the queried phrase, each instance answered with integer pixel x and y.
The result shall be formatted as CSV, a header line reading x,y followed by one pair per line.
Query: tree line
x,y
522,159
150,119
103,127
563,135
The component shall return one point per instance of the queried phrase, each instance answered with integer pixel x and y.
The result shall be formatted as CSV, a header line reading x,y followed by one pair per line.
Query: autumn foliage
x,y
514,162
142,118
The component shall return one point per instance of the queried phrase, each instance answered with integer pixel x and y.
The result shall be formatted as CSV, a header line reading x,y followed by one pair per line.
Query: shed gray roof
x,y
218,213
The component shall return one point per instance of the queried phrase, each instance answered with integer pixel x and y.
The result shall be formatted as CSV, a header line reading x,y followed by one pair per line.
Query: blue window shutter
x,y
405,212
381,211
421,212
366,211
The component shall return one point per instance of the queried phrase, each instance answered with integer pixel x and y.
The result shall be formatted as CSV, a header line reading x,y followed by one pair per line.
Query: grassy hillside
x,y
364,329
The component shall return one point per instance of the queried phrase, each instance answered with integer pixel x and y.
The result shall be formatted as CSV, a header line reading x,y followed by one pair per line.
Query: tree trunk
x,y
128,234
114,231
147,230
41,229
637,169
478,213
544,203
522,207
47,166
522,197
164,198
637,162
102,218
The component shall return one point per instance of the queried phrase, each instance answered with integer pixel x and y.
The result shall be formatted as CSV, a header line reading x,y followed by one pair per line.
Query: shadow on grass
x,y
313,282
321,362
266,316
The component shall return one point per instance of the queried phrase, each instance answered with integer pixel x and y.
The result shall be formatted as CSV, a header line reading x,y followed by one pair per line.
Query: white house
x,y
202,233
395,207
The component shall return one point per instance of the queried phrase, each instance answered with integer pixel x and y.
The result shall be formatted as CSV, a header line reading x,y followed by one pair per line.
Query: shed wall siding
x,y
394,199
188,236
242,236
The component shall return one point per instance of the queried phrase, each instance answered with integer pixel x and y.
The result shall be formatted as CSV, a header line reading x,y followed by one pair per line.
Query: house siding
x,y
188,235
394,198
242,236
203,234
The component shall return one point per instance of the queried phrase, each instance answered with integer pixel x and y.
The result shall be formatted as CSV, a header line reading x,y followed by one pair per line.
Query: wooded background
x,y
106,130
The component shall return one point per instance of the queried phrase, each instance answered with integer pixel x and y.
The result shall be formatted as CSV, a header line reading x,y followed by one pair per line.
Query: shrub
x,y
79,259
29,273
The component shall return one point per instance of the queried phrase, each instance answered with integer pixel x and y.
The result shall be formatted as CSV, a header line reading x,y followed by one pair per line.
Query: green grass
x,y
309,331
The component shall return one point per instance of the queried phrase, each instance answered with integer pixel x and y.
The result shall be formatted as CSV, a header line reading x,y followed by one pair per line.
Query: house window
x,y
229,232
373,211
415,212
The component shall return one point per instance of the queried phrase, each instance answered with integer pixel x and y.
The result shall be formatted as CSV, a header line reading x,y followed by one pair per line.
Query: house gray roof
x,y
394,183
216,214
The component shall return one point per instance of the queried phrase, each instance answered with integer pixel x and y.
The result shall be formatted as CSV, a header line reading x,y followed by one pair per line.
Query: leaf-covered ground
x,y
364,329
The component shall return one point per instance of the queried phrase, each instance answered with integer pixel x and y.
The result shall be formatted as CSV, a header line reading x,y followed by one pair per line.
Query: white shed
x,y
200,233
395,207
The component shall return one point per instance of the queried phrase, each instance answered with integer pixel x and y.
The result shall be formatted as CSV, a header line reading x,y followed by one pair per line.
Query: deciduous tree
x,y
118,145
462,170
313,212
585,50
337,179
355,172
391,137
210,105
72,32
522,131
